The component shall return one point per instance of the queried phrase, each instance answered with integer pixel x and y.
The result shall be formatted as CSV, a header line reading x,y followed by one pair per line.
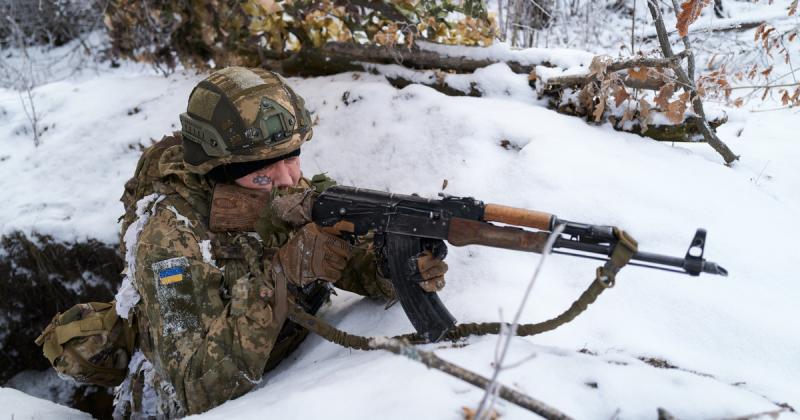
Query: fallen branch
x,y
697,104
338,57
429,359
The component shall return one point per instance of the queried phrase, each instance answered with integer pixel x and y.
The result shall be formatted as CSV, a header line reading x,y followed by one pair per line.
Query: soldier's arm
x,y
209,349
361,275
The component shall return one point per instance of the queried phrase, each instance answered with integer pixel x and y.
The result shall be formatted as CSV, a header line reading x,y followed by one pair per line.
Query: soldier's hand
x,y
432,271
431,267
312,254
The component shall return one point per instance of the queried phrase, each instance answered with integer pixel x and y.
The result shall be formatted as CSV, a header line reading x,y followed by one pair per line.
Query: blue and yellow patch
x,y
170,275
171,271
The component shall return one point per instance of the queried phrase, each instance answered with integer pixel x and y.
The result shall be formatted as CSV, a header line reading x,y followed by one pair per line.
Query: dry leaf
x,y
644,114
785,99
599,65
793,8
759,30
532,76
690,11
599,109
620,95
469,414
627,116
444,184
766,72
675,111
664,94
738,102
638,73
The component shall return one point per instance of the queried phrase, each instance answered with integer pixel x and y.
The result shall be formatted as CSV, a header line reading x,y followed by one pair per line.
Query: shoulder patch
x,y
170,271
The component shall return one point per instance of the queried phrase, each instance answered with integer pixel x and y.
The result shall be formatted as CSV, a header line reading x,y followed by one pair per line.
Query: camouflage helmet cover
x,y
242,115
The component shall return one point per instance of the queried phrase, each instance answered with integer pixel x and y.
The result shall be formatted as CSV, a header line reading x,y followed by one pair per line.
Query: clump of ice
x,y
127,297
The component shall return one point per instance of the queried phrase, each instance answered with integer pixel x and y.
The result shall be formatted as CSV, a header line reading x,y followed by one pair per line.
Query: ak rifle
x,y
404,225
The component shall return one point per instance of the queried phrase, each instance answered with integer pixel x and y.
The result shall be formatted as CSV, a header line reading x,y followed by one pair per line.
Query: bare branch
x,y
697,104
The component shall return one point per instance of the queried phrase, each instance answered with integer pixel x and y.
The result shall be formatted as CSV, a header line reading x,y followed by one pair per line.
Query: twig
x,y
633,28
485,407
687,48
772,414
764,86
431,360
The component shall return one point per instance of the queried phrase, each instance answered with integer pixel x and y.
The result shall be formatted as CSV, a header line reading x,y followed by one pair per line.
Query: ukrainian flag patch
x,y
170,271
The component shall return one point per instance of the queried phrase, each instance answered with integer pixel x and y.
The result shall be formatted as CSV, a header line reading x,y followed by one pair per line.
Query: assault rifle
x,y
402,223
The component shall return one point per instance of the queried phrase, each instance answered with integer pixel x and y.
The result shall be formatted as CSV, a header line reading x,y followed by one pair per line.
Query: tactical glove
x,y
311,254
430,267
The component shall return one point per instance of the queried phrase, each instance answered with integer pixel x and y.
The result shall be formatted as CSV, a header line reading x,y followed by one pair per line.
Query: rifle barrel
x,y
648,257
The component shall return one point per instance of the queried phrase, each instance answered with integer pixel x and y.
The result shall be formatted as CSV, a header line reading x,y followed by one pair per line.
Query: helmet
x,y
241,115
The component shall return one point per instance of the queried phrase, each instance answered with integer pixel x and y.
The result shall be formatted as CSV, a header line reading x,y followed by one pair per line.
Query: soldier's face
x,y
285,173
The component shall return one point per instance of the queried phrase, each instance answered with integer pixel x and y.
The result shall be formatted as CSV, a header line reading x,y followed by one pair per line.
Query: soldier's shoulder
x,y
171,219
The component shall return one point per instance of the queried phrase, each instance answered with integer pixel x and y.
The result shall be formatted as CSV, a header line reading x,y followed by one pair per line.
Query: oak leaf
x,y
620,95
599,109
664,94
638,73
690,11
627,116
675,111
644,113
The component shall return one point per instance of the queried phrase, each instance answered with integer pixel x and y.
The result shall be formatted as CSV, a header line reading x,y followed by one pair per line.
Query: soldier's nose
x,y
282,176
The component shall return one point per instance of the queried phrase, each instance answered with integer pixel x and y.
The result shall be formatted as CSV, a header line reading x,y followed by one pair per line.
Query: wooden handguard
x,y
517,216
235,208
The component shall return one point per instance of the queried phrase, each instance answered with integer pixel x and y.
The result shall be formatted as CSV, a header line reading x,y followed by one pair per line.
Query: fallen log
x,y
339,57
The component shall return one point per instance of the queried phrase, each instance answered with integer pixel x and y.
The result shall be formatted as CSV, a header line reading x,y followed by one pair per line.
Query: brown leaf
x,y
685,96
627,115
766,72
532,76
793,8
690,11
620,95
752,73
759,30
785,99
638,73
664,94
599,109
644,113
599,65
792,36
444,184
675,111
738,102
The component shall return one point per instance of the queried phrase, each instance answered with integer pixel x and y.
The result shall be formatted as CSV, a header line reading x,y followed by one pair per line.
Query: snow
x,y
732,341
127,296
18,405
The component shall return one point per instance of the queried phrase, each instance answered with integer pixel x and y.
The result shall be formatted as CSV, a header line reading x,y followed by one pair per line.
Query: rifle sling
x,y
342,338
604,279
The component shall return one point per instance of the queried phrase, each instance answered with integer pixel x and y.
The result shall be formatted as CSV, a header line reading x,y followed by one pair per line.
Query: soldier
x,y
209,307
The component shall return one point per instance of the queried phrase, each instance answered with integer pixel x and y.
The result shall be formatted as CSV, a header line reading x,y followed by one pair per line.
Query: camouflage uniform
x,y
207,327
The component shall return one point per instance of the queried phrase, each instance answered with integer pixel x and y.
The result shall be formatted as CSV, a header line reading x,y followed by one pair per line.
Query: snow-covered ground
x,y
732,345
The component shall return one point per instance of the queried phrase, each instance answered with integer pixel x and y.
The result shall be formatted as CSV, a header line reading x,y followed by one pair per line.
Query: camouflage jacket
x,y
205,313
